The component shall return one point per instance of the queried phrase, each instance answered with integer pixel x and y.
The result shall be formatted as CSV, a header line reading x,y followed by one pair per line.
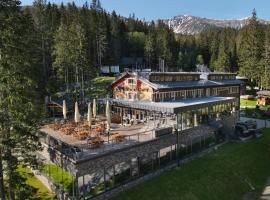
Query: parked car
x,y
246,130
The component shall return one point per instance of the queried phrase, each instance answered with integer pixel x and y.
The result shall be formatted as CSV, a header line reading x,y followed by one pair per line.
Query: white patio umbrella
x,y
94,108
89,114
64,110
77,114
108,115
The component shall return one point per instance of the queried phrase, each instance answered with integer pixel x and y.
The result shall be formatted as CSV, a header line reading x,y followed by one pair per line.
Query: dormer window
x,y
131,81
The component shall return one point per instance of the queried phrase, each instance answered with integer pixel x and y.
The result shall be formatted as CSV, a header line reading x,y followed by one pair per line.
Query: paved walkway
x,y
244,106
266,192
261,123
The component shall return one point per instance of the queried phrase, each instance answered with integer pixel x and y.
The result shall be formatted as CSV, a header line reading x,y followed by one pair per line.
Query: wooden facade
x,y
263,98
222,76
132,87
178,94
174,76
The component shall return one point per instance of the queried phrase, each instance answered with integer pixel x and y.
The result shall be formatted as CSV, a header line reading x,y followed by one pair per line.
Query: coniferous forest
x,y
71,42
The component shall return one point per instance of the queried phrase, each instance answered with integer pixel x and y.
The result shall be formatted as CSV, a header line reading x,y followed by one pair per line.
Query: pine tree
x,y
101,41
71,57
251,48
199,60
116,36
19,112
266,61
39,15
149,49
180,61
223,57
62,53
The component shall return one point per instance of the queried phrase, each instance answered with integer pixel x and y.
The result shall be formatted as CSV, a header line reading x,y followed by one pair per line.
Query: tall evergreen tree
x,y
19,112
223,57
251,48
199,60
149,49
71,59
265,64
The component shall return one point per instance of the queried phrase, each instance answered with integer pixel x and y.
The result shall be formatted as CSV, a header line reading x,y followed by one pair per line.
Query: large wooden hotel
x,y
134,95
156,118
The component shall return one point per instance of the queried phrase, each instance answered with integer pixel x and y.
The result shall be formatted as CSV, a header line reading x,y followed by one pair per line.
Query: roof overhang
x,y
171,107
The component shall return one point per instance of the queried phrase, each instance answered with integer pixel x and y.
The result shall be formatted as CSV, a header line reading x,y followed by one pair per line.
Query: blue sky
x,y
154,9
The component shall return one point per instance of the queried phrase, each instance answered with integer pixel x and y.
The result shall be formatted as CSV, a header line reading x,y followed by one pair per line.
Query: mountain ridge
x,y
192,25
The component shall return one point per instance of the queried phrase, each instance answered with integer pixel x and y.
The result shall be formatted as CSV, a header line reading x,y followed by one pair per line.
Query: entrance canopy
x,y
171,107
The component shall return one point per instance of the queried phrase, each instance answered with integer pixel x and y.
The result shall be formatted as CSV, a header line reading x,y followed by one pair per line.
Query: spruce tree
x,y
251,49
223,57
199,60
71,58
149,49
265,74
19,110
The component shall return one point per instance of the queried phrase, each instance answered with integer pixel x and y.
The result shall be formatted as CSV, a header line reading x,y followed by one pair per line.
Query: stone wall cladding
x,y
142,150
124,155
146,149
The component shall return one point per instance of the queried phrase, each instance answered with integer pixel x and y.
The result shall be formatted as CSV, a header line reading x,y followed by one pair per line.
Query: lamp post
x,y
246,109
177,140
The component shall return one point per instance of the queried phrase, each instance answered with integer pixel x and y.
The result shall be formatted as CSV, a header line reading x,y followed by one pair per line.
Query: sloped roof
x,y
171,107
190,84
264,93
180,84
123,75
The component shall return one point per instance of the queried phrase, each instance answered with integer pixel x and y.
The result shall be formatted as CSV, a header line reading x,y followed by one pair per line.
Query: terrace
x,y
78,141
148,135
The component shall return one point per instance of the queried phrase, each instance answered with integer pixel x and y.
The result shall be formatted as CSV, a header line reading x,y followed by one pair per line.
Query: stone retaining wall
x,y
142,150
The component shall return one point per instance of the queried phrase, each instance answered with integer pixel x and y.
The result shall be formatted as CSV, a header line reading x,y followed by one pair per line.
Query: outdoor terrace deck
x,y
132,135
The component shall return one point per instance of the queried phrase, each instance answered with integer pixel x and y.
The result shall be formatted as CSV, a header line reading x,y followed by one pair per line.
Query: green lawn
x,y
42,192
255,113
252,111
55,173
220,175
99,86
245,102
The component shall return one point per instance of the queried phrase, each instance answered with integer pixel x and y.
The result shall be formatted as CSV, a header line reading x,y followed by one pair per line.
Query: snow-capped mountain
x,y
187,24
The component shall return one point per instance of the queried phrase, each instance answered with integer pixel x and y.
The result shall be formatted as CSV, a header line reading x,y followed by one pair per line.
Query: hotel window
x,y
190,93
187,94
234,89
178,94
207,92
215,91
231,90
174,95
194,93
131,81
199,93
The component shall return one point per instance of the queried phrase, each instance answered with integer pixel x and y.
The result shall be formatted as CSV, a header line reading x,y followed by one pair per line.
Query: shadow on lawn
x,y
30,188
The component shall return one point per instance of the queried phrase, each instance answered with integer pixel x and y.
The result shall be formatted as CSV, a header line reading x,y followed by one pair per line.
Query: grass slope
x,y
55,173
100,86
42,192
220,175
